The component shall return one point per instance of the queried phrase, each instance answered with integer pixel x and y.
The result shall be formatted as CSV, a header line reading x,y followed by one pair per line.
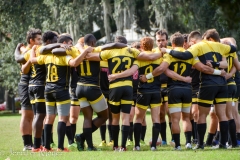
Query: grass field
x,y
11,147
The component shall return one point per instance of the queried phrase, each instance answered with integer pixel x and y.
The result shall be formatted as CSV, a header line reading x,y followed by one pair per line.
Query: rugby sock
x,y
217,136
25,140
176,138
103,129
47,135
30,139
209,139
130,134
52,137
69,134
163,131
137,133
110,132
37,143
125,131
73,126
188,136
61,129
170,126
223,132
87,132
115,133
155,133
195,130
232,131
201,129
94,128
42,138
143,132
238,136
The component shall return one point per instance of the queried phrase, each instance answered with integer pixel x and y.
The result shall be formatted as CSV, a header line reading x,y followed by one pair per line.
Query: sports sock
x,y
47,135
73,126
170,126
210,139
201,129
110,132
115,133
238,136
61,129
37,143
176,138
30,139
217,136
193,129
188,136
155,133
223,132
51,137
87,132
69,134
163,131
125,131
143,132
130,134
94,128
103,129
137,132
232,131
42,138
25,140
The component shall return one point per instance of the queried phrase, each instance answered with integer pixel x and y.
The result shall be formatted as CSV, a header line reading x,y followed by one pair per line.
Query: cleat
x,y
220,146
172,143
178,148
129,143
238,142
110,143
142,143
215,142
62,150
188,146
198,147
92,149
153,148
80,142
72,147
194,141
27,147
122,149
164,143
47,150
53,145
103,144
115,149
36,149
137,148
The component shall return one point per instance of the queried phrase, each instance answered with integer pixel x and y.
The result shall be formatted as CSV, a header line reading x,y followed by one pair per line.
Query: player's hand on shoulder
x,y
209,64
89,49
34,47
188,79
66,46
111,77
20,45
163,50
143,78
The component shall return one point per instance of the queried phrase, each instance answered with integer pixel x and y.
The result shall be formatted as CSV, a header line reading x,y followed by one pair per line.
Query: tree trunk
x,y
107,13
8,100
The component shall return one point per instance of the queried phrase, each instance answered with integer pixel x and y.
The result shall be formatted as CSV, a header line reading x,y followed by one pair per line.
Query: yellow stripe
x,y
120,83
142,106
75,103
179,105
133,103
50,104
229,99
155,105
126,102
231,83
39,100
64,102
218,100
114,103
165,98
164,85
235,99
194,99
205,101
82,99
32,101
97,100
84,84
186,105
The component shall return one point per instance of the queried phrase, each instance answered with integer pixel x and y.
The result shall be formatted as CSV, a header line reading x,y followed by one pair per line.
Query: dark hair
x,y
49,35
162,32
212,33
64,38
185,36
147,43
195,35
120,39
177,39
136,45
89,38
32,34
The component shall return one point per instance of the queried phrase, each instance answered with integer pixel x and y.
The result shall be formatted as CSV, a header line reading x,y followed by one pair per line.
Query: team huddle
x,y
194,77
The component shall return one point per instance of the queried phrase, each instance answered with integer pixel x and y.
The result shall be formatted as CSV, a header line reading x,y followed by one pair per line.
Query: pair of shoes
x,y
27,147
36,149
110,143
103,144
198,147
220,146
178,148
46,150
80,142
153,148
164,143
53,145
129,143
172,143
62,150
142,143
122,149
115,149
72,147
188,146
137,148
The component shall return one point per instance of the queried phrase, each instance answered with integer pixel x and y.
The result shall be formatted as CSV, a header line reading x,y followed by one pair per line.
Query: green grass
x,y
11,146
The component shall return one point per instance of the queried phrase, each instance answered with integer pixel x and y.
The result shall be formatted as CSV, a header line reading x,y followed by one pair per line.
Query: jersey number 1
x,y
52,75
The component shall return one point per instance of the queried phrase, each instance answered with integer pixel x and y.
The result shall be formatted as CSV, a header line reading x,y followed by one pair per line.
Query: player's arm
x,y
48,48
76,61
236,64
26,67
178,54
93,57
61,50
221,64
208,70
123,74
174,75
157,71
113,45
17,54
148,57
33,58
231,73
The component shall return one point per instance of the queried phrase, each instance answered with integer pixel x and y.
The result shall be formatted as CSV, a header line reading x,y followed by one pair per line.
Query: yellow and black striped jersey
x,y
181,67
120,60
145,67
38,72
58,71
25,77
88,71
104,83
230,60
